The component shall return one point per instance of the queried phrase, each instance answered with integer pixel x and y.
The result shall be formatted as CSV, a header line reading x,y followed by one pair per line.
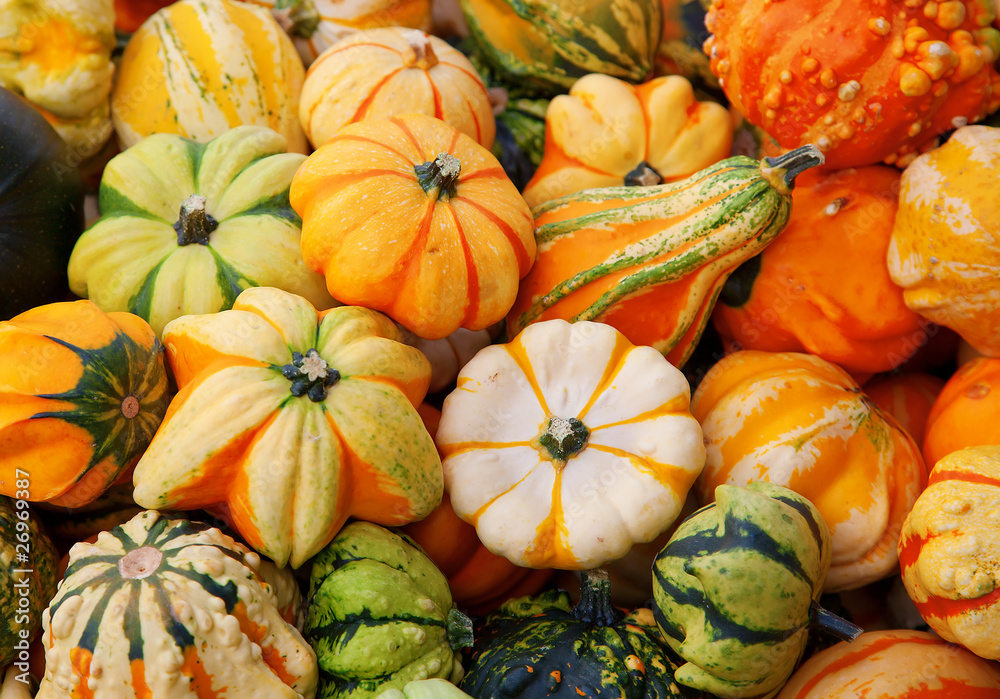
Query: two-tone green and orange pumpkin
x,y
159,606
81,394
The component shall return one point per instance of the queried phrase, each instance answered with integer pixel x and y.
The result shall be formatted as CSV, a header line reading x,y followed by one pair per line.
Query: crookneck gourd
x,y
736,589
651,261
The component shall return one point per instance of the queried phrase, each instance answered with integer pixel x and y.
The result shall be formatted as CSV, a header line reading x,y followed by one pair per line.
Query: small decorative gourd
x,y
948,550
544,646
83,391
161,602
441,246
966,412
291,421
435,688
391,71
736,589
380,615
908,398
186,227
568,444
608,133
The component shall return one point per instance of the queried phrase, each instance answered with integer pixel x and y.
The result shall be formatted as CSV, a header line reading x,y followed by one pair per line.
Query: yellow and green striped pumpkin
x,y
651,261
186,227
198,68
552,43
162,607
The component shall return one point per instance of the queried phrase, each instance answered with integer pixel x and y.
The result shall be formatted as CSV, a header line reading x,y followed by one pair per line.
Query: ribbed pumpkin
x,y
942,251
650,261
966,412
198,68
41,206
292,421
58,55
551,44
161,604
186,227
823,287
568,444
894,665
27,575
736,589
316,25
544,646
442,245
866,82
81,394
607,133
908,398
948,550
798,421
381,73
380,615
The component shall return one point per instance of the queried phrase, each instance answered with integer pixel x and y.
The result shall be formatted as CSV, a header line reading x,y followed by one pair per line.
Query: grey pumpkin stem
x,y
458,627
440,175
832,624
644,175
595,605
781,171
194,225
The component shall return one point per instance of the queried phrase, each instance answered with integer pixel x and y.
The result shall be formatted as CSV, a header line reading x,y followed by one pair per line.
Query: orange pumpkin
x,y
967,411
798,421
411,217
130,14
908,398
866,82
822,287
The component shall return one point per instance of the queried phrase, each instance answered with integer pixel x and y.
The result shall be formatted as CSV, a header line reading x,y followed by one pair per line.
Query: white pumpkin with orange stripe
x,y
316,25
388,72
799,421
949,550
568,445
199,68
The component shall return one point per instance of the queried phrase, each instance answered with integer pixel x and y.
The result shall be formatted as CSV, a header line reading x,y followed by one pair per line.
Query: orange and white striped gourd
x,y
386,72
569,444
949,548
908,398
798,421
198,68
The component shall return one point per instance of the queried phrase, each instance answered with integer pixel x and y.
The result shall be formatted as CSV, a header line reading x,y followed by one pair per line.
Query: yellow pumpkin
x,y
58,55
949,549
943,250
384,72
606,133
199,68
411,217
799,421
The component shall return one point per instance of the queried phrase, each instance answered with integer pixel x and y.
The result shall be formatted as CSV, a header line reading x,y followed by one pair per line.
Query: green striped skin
x,y
541,647
132,259
379,613
552,43
733,588
41,560
682,239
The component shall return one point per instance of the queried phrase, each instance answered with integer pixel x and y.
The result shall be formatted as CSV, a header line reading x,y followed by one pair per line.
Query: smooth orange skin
x,y
130,14
757,43
908,398
823,286
967,411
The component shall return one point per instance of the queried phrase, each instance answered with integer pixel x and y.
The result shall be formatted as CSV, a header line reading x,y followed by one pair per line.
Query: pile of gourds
x,y
641,348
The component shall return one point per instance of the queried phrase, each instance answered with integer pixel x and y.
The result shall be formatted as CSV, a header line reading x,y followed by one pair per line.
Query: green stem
x,y
439,176
782,171
595,605
832,624
564,438
194,225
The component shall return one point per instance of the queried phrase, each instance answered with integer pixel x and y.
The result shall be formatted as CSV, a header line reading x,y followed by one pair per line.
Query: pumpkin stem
x,y
644,175
832,624
439,175
595,605
297,17
140,563
459,629
310,375
564,438
781,172
423,51
194,225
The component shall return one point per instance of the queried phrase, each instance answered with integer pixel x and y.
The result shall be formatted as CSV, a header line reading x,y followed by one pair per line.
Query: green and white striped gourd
x,y
651,260
169,608
735,590
379,615
185,227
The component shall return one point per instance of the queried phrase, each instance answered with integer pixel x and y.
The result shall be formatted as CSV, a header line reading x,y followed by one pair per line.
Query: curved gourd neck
x,y
780,172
